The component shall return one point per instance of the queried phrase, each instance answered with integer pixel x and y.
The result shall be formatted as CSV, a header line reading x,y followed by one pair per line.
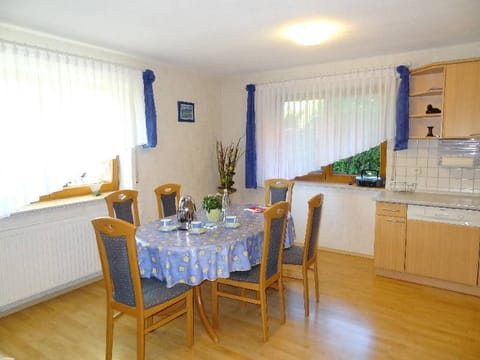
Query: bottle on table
x,y
225,204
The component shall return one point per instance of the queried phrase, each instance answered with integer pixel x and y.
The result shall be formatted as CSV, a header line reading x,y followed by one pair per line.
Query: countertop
x,y
456,201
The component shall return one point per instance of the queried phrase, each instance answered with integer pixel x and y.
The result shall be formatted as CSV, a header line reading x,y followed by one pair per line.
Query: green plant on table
x,y
211,202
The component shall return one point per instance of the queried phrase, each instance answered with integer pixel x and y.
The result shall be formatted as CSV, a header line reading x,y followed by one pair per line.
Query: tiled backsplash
x,y
419,165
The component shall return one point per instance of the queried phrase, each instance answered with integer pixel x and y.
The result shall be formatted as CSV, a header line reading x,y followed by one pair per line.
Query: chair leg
x,y
189,305
315,276
109,343
282,300
243,293
306,300
140,338
263,310
215,304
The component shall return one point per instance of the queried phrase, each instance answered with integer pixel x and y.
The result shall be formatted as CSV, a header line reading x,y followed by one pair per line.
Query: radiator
x,y
46,251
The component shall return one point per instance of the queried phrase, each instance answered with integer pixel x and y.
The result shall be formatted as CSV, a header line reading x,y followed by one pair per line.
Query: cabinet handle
x,y
395,221
390,210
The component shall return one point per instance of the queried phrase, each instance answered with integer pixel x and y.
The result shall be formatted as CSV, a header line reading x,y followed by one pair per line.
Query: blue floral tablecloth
x,y
181,257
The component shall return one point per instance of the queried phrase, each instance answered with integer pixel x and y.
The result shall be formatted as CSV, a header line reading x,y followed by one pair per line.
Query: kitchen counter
x,y
456,201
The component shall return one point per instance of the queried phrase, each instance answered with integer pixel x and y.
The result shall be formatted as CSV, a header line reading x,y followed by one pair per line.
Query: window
x,y
105,172
61,114
345,170
303,124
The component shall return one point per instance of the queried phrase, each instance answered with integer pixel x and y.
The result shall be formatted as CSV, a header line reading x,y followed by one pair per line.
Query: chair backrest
x,y
123,204
312,230
118,255
273,240
168,196
278,190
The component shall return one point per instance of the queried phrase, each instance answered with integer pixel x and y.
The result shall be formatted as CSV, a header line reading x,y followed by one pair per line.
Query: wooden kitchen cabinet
x,y
454,88
443,251
390,231
426,87
461,107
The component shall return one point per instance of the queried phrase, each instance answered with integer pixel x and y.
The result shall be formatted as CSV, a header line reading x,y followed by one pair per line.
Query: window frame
x,y
80,190
328,176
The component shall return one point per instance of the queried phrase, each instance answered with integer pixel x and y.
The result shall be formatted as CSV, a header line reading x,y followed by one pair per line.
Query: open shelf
x,y
425,116
427,93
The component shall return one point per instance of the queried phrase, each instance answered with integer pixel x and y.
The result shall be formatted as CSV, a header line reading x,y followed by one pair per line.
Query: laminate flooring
x,y
359,316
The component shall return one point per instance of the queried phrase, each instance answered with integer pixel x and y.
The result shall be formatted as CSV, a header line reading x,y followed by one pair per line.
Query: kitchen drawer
x,y
391,209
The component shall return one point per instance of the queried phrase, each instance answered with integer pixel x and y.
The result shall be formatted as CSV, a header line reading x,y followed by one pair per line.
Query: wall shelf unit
x,y
426,88
453,87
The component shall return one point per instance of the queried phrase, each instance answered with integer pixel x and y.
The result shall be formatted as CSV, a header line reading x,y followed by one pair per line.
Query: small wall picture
x,y
186,111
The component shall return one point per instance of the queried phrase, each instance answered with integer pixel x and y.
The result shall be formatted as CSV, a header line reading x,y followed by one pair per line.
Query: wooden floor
x,y
360,316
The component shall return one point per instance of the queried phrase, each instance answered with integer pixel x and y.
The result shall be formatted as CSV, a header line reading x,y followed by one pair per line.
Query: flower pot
x,y
213,215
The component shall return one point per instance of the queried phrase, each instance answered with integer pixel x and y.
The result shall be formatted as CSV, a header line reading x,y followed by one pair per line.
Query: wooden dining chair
x,y
278,190
148,300
168,197
260,277
123,204
304,257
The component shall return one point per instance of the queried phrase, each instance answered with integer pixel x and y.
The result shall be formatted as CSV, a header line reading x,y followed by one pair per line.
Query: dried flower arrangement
x,y
227,157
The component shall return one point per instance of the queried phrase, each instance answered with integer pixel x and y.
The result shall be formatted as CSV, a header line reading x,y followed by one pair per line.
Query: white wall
x,y
185,153
348,220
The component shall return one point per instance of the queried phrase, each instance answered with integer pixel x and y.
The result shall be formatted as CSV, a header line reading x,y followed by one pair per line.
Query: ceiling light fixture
x,y
311,33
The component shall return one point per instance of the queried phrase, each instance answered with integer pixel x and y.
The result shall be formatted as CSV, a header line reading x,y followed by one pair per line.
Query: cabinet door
x,y
442,251
462,100
390,243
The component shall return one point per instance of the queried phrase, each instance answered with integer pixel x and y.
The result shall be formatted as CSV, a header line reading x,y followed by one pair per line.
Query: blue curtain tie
x,y
250,147
402,128
150,114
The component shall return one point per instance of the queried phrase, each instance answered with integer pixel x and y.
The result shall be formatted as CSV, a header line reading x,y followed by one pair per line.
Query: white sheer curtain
x,y
305,124
58,114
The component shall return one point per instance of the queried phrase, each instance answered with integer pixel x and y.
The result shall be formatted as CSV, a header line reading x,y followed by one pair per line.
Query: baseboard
x,y
343,252
442,284
49,294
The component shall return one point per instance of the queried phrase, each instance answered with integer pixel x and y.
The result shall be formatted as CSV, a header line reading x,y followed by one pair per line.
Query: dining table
x,y
193,256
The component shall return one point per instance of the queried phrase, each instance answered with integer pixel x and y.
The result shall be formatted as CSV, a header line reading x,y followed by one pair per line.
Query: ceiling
x,y
227,37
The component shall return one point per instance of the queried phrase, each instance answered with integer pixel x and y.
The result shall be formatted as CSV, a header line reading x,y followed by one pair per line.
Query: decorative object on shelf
x,y
432,110
186,212
227,157
95,188
430,131
186,111
213,206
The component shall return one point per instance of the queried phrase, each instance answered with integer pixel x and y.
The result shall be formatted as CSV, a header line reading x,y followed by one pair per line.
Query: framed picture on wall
x,y
186,111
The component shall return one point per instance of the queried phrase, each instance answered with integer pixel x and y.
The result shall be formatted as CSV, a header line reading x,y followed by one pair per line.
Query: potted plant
x,y
213,206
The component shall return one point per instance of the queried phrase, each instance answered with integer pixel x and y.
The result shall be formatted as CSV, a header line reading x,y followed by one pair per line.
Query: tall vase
x,y
213,215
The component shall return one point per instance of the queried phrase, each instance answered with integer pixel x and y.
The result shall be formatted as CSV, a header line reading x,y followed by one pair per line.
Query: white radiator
x,y
47,251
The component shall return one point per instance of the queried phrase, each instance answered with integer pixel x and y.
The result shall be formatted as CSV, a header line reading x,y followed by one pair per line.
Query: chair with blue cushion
x,y
148,300
304,257
278,190
168,197
123,204
259,278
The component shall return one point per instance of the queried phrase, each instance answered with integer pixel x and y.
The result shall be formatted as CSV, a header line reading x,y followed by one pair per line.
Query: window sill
x,y
339,186
50,204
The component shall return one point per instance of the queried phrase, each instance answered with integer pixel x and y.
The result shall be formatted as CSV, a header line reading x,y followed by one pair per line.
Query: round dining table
x,y
217,249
